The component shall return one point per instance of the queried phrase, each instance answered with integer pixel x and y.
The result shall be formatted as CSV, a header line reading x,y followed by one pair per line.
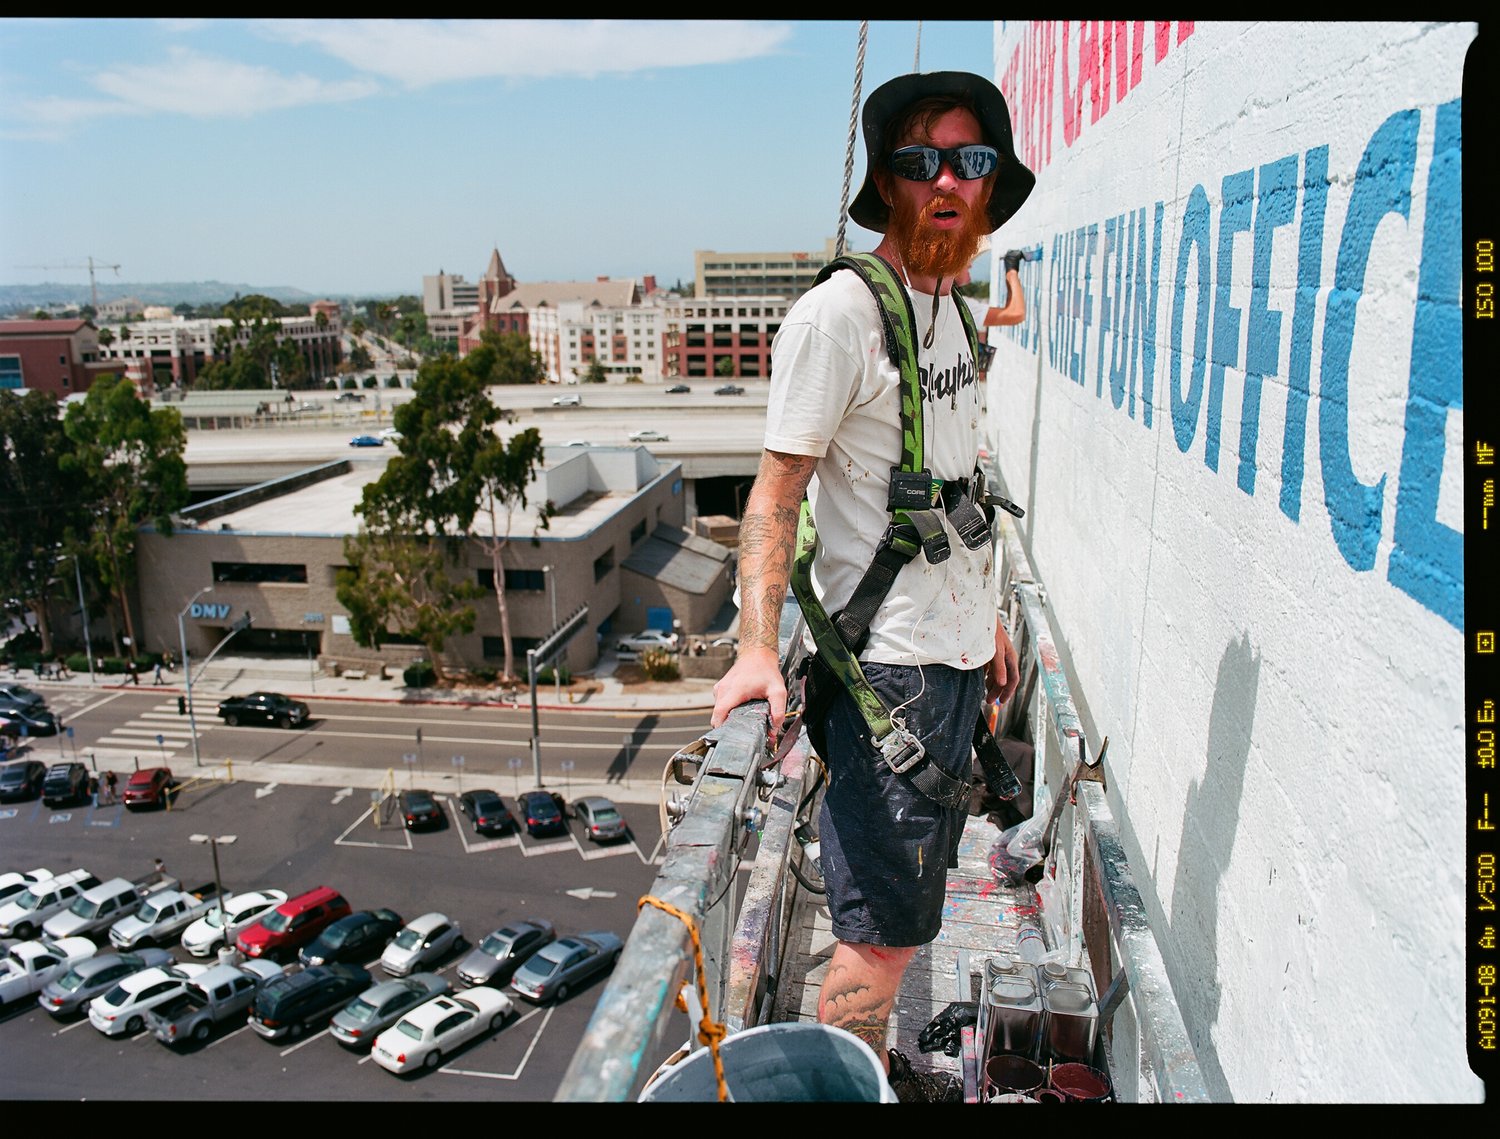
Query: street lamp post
x,y
213,844
187,671
83,610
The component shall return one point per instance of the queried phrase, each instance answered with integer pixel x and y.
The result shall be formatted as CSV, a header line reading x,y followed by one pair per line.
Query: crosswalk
x,y
158,733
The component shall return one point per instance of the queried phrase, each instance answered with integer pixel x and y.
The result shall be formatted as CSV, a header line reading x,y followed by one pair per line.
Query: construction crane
x,y
91,266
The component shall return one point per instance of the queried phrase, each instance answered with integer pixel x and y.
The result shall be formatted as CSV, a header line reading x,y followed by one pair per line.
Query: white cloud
x,y
190,83
420,53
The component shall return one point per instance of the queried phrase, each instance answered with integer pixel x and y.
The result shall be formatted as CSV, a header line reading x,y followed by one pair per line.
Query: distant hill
x,y
29,297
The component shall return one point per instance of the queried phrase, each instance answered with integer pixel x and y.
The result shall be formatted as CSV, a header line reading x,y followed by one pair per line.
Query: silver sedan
x,y
380,1006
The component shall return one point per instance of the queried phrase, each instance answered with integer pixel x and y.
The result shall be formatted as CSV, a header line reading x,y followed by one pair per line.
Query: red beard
x,y
930,252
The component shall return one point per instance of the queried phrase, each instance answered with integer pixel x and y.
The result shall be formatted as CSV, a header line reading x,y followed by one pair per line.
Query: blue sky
x,y
342,156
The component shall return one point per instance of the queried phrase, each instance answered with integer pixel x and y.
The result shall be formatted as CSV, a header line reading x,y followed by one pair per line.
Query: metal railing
x,y
729,771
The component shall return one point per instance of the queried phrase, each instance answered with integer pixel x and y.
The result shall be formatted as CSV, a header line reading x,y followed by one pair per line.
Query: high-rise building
x,y
787,275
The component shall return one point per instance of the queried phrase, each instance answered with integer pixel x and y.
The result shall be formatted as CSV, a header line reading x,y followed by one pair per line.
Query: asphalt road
x,y
294,838
120,729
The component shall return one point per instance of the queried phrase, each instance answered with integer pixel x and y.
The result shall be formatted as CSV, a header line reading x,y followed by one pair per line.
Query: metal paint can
x,y
1013,1010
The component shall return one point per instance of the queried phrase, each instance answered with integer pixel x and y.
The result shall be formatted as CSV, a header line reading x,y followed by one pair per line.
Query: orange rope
x,y
709,1032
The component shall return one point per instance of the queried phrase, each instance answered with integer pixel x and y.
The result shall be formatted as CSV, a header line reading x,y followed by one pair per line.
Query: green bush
x,y
419,674
77,662
485,674
393,381
544,675
659,664
370,382
111,664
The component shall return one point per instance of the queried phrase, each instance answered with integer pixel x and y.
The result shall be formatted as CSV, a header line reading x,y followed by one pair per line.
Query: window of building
x,y
603,564
494,648
261,573
638,531
11,375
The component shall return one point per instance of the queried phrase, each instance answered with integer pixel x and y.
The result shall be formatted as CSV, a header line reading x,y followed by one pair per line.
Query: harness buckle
x,y
970,523
900,749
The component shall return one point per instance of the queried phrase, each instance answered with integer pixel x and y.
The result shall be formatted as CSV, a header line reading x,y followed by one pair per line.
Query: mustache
x,y
944,203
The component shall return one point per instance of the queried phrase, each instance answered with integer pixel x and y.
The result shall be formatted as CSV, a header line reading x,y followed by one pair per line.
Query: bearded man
x,y
942,174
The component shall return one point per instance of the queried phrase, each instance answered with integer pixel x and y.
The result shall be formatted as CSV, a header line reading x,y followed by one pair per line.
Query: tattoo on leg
x,y
858,1010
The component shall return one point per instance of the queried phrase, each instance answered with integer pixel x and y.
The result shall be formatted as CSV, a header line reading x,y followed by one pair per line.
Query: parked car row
x,y
541,812
410,1020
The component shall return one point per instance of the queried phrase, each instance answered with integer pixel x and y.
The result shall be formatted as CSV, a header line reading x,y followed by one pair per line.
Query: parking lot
x,y
294,838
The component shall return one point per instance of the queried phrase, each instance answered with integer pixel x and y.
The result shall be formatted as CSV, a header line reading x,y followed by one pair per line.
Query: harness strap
x,y
917,503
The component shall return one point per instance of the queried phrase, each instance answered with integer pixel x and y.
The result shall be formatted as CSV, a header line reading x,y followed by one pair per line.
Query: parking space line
x,y
303,1043
545,848
526,1056
343,840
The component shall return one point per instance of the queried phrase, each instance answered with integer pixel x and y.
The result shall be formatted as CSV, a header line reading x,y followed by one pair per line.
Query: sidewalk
x,y
226,676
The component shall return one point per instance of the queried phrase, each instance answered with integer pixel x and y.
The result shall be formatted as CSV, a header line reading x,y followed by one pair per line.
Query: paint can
x,y
1006,1074
1012,1010
1071,1015
1079,1083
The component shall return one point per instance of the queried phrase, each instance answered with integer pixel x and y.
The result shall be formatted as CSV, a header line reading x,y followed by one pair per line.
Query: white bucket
x,y
779,1063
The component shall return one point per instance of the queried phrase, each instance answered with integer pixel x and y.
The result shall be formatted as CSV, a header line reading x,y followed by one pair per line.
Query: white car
x,y
647,436
206,934
388,433
646,639
567,401
423,942
122,1010
14,881
422,1037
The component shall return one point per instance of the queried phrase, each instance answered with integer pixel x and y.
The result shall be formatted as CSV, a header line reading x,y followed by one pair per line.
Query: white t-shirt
x,y
836,395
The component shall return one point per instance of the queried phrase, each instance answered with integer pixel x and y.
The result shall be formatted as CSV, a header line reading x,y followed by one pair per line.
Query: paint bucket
x,y
1012,1097
1007,1073
779,1063
1080,1083
1050,1095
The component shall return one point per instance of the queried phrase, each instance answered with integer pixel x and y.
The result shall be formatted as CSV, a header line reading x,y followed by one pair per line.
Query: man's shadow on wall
x,y
1210,819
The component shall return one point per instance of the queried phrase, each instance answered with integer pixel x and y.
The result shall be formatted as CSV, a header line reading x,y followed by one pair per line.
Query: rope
x,y
859,74
916,63
709,1032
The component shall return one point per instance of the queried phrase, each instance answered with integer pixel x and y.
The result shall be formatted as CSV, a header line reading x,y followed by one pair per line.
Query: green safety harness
x,y
917,503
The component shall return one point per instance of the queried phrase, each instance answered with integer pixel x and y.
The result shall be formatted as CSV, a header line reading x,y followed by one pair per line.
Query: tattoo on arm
x,y
768,535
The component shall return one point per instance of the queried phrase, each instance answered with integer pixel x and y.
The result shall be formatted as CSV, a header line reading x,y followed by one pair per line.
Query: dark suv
x,y
65,783
289,1003
22,779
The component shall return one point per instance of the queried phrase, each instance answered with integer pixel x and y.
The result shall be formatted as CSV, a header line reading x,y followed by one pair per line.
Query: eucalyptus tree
x,y
451,466
126,460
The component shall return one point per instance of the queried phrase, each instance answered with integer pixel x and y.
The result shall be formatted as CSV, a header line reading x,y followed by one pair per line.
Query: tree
x,y
106,337
357,327
451,466
595,373
127,461
506,358
43,510
41,314
725,367
359,358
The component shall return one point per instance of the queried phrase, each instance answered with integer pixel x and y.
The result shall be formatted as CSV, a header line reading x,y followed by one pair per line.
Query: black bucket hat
x,y
1013,182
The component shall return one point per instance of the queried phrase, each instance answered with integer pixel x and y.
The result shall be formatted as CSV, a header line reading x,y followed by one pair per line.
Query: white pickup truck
x,y
162,917
31,964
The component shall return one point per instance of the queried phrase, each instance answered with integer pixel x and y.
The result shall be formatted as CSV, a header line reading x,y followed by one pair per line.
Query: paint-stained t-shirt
x,y
836,395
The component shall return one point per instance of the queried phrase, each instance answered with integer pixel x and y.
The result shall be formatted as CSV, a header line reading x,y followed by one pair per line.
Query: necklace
x,y
937,293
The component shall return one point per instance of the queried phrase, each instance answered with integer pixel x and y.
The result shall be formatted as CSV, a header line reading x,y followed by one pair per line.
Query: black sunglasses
x,y
922,163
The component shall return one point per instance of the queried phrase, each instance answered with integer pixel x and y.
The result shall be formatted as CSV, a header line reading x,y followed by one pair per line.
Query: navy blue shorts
x,y
885,847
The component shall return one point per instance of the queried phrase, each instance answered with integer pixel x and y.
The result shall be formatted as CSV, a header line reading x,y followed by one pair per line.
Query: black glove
x,y
1013,259
943,1034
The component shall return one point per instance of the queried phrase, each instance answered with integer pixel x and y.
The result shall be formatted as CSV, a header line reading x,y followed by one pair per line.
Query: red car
x,y
279,934
148,787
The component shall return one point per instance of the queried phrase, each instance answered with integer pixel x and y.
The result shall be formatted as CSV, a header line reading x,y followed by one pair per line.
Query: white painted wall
x,y
1273,643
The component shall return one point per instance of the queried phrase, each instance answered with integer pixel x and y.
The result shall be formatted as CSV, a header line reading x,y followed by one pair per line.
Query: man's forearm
x,y
768,537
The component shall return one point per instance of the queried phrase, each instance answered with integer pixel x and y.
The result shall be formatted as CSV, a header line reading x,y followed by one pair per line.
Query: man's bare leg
x,y
860,989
